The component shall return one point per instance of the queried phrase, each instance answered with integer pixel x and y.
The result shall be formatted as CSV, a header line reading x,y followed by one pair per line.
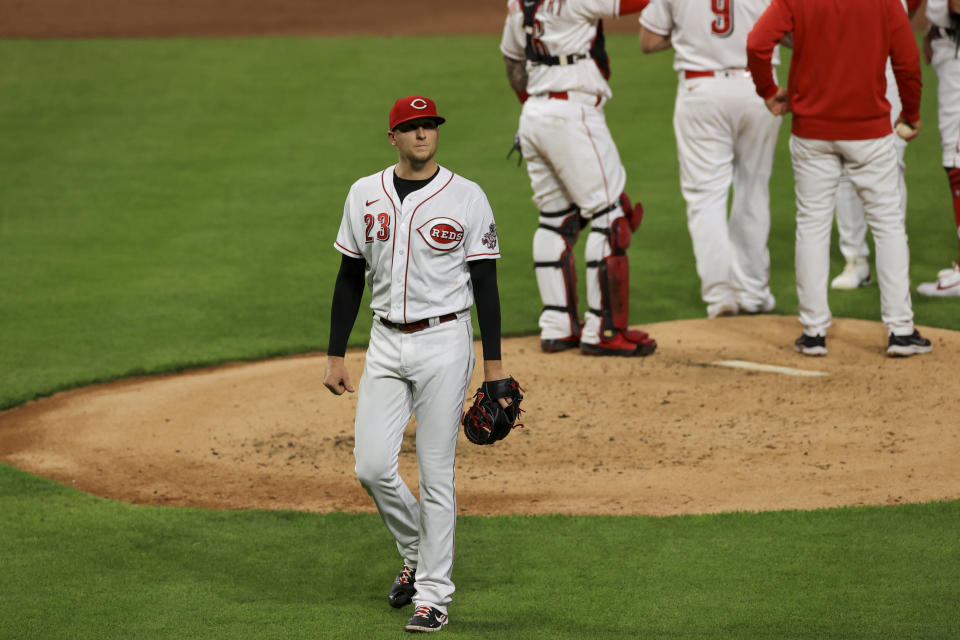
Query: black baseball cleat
x,y
559,344
426,619
811,345
401,593
910,345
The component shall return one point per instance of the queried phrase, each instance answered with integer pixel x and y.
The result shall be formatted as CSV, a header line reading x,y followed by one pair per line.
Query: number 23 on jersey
x,y
382,224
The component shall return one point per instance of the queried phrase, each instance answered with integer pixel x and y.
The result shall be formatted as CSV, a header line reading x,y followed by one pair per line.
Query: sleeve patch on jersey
x,y
442,234
489,239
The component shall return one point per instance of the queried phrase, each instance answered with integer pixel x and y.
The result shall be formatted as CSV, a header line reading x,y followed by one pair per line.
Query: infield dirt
x,y
667,434
671,433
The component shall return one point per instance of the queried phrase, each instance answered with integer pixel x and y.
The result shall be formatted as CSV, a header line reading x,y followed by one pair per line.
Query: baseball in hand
x,y
903,130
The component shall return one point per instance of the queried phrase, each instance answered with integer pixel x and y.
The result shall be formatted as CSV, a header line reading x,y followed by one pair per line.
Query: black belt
x,y
419,325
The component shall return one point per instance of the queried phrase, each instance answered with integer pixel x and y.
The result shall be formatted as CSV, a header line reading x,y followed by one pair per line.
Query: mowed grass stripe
x,y
82,567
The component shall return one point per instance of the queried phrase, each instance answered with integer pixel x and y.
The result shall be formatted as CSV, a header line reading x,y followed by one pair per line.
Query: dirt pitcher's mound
x,y
725,416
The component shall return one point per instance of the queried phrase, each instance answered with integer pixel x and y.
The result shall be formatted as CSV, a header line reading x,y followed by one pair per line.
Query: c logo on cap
x,y
419,103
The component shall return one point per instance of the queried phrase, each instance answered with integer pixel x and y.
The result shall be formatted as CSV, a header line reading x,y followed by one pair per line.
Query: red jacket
x,y
836,85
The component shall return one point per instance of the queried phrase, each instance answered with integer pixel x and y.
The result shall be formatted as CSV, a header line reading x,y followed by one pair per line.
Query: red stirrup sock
x,y
953,173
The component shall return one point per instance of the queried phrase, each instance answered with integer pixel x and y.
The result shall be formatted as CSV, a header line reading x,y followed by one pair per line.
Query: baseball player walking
x,y
725,136
840,119
427,241
851,220
556,62
941,46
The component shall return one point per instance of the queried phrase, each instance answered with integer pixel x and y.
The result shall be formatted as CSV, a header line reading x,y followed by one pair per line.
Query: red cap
x,y
411,108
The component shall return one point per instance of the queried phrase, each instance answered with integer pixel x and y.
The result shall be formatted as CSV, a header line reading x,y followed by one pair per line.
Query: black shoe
x,y
811,345
426,619
908,345
401,593
559,344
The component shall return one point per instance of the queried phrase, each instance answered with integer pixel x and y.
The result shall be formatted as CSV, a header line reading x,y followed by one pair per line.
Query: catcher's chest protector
x,y
598,50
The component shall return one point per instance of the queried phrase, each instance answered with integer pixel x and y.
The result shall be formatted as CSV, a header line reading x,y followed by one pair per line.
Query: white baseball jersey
x,y
416,252
707,35
561,27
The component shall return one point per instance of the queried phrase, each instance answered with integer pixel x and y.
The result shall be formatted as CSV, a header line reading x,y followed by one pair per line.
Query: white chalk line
x,y
767,368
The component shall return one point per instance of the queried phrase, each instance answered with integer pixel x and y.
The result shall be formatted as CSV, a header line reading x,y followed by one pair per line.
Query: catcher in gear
x,y
555,60
496,406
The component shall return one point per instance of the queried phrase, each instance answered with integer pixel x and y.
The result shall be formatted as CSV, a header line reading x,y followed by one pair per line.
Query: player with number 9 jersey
x,y
725,136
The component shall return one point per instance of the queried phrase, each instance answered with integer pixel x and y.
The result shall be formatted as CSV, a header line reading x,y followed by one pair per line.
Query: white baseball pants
x,y
872,166
571,159
851,219
570,154
947,68
426,374
851,222
726,136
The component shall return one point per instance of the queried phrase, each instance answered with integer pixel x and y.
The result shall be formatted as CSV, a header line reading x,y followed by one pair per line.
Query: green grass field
x,y
166,204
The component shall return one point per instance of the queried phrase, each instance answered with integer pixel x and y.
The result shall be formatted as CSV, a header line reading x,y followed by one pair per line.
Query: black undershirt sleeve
x,y
483,275
347,294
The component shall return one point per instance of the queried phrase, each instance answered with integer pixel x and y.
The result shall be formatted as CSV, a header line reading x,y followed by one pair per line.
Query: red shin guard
x,y
614,274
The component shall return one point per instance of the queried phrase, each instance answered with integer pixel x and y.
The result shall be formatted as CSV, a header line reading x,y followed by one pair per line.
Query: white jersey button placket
x,y
400,260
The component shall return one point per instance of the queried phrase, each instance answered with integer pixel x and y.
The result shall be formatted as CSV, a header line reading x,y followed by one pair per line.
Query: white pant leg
x,y
600,176
851,220
947,68
550,196
873,167
575,158
598,186
384,406
705,157
816,172
549,193
851,223
893,97
749,224
439,362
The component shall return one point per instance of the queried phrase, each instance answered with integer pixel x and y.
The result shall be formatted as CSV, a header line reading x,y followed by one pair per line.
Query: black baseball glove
x,y
486,421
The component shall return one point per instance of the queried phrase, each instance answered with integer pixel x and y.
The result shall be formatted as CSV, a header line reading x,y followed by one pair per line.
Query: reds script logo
x,y
442,234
